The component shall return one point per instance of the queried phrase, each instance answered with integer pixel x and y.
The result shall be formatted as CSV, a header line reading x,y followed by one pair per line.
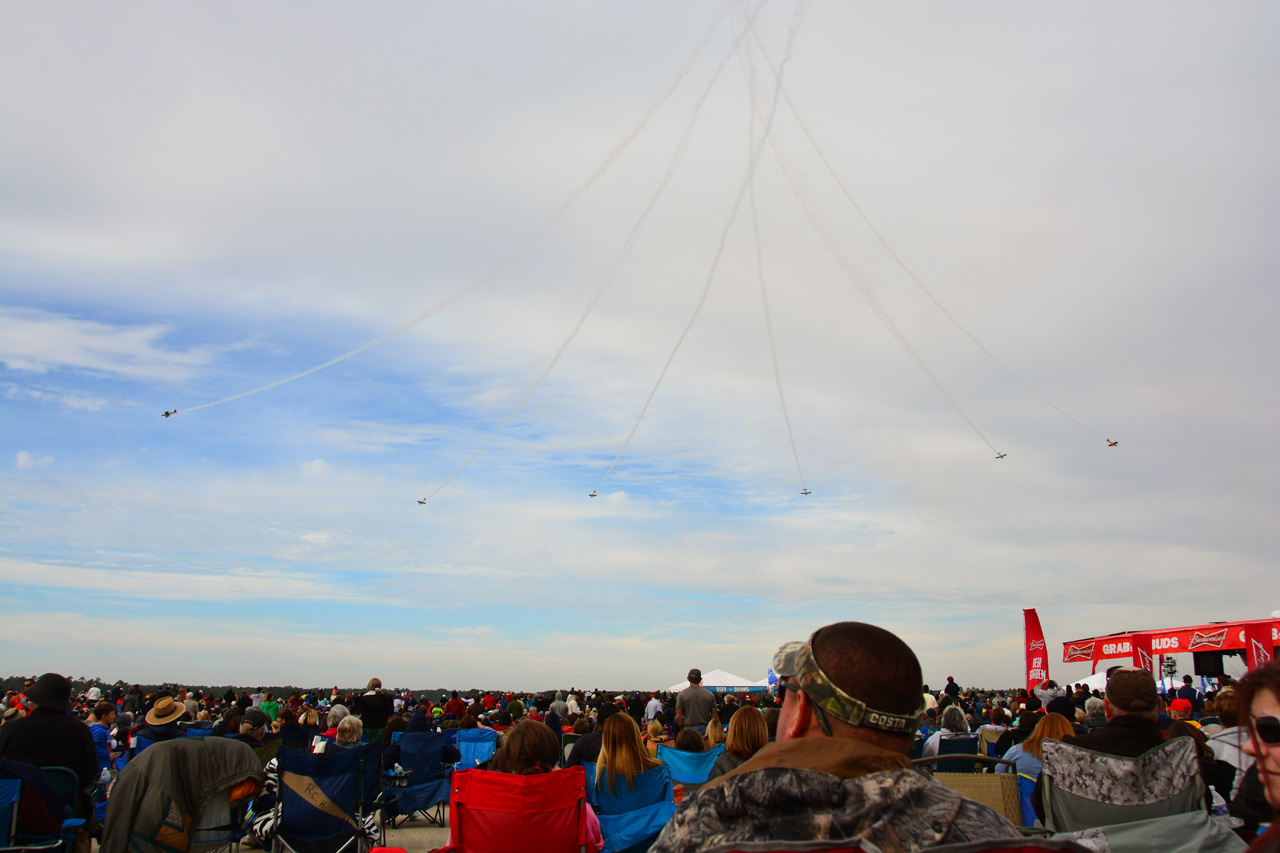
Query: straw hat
x,y
166,710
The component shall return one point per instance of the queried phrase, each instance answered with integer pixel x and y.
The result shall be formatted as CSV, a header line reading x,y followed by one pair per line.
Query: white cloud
x,y
25,461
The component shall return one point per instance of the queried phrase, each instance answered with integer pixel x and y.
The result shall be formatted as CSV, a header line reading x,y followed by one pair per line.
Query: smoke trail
x,y
910,273
615,266
750,71
724,236
519,251
833,246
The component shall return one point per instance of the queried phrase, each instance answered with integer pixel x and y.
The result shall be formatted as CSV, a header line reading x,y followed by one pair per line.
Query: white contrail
x,y
706,288
512,256
615,266
749,69
901,263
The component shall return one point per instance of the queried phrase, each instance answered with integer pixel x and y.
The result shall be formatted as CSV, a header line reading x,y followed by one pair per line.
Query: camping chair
x,y
999,791
691,769
1082,789
633,818
1026,786
223,822
317,806
566,744
917,750
855,845
428,783
369,798
56,835
493,812
966,745
476,746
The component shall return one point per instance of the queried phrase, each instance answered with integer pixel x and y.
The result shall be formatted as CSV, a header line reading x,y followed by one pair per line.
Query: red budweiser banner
x,y
1037,653
1259,645
1264,634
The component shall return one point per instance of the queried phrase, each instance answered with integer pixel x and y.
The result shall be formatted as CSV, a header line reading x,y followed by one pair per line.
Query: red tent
x,y
1257,638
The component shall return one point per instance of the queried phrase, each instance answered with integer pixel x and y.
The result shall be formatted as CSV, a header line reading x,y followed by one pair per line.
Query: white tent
x,y
719,681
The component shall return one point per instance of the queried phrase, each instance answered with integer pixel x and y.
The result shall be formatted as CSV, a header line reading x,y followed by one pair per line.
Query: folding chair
x,y
967,745
369,798
633,818
854,845
998,791
476,746
428,782
566,745
1026,786
223,822
59,832
491,812
317,806
691,769
1083,789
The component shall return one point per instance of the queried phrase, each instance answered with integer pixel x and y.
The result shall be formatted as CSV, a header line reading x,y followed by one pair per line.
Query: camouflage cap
x,y
796,659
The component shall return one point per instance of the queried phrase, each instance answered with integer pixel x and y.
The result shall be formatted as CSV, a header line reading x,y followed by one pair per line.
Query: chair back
x,y
629,817
917,749
998,791
854,845
963,745
451,737
10,791
476,747
1082,789
546,811
420,755
689,768
318,796
67,783
1027,786
566,743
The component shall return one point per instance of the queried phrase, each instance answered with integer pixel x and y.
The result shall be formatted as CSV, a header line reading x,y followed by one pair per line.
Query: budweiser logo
x,y
1146,661
1201,640
1036,645
1261,654
1079,651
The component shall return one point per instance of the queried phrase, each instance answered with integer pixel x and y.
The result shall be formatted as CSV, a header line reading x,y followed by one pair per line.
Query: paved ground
x,y
419,836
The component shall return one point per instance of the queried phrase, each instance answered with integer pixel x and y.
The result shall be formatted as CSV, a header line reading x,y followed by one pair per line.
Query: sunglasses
x,y
817,709
1267,729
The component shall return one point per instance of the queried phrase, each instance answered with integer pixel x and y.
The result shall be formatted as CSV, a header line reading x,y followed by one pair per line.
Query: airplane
x,y
805,492
423,501
167,414
1001,455
593,494
1111,443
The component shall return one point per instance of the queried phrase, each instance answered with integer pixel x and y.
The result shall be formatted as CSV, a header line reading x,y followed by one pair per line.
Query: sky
x,y
952,231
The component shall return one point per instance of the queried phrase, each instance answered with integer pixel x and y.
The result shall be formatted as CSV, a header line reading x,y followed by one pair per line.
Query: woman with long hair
x,y
747,735
527,748
715,733
621,753
654,736
1028,754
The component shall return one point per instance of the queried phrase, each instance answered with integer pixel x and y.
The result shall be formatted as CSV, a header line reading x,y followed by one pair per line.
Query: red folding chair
x,y
491,812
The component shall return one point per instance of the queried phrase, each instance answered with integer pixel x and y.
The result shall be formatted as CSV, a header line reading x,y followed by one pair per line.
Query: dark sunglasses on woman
x,y
1268,729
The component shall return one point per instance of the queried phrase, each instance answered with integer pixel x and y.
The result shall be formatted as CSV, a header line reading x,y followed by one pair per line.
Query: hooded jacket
x,y
160,796
838,788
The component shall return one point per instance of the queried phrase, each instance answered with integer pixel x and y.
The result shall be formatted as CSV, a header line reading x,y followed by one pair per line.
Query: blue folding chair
x,y
633,818
689,768
451,737
476,746
1026,785
58,832
428,782
957,746
318,804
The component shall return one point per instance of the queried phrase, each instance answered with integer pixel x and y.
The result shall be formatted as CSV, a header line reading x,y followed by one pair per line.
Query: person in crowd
x,y
695,705
952,689
374,708
560,706
847,724
162,720
621,753
715,733
748,734
1095,711
1027,755
1188,692
1133,706
1180,710
954,725
1258,707
654,736
455,707
253,727
1228,743
337,713
350,731
48,736
771,720
270,706
690,741
727,710
1217,774
100,721
652,708
586,749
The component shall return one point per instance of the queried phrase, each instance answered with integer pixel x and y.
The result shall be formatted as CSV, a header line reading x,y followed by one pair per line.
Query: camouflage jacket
x,y
817,788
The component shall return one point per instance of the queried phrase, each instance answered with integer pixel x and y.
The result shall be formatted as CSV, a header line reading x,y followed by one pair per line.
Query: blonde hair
x,y
350,730
655,729
374,684
715,733
621,753
1052,727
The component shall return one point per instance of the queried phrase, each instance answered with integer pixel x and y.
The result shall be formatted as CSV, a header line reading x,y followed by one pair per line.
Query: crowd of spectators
x,y
848,703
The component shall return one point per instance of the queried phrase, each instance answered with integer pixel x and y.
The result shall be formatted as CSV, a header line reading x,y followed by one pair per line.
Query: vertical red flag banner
x,y
1142,657
1259,645
1037,654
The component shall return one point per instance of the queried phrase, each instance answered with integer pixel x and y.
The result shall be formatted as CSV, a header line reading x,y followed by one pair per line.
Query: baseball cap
x,y
796,659
695,675
1132,689
1182,706
255,718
